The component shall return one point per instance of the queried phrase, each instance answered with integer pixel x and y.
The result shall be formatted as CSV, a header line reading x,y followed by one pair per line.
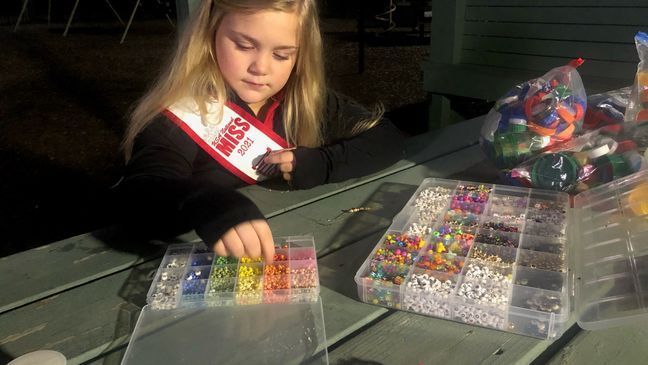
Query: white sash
x,y
239,142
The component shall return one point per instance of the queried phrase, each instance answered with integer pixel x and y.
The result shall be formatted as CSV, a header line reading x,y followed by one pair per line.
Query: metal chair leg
x,y
130,21
115,12
67,27
76,3
22,11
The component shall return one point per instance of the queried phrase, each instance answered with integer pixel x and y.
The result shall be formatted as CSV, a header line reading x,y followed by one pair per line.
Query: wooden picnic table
x,y
82,296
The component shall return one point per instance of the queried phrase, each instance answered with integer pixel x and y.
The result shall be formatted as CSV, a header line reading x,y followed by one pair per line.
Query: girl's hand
x,y
285,161
252,239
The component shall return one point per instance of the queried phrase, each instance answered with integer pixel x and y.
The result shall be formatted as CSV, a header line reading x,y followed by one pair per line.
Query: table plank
x,y
618,345
72,262
397,340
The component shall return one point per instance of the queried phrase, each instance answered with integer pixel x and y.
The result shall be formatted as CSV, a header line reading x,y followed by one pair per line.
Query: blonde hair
x,y
193,72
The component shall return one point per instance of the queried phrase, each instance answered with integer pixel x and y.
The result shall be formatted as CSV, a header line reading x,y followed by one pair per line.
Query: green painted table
x,y
82,296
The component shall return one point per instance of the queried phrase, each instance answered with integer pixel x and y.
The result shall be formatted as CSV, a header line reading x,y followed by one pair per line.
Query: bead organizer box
x,y
195,289
502,257
190,274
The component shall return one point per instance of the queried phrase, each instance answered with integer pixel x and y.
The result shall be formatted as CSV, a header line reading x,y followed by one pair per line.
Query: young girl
x,y
243,99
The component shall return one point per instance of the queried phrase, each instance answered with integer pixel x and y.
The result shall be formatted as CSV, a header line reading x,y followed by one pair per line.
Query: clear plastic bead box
x,y
503,257
190,274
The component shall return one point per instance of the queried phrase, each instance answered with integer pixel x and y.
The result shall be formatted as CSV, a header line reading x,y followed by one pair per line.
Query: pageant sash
x,y
239,142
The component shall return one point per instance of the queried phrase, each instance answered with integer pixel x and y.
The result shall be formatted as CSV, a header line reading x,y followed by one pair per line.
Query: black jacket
x,y
171,185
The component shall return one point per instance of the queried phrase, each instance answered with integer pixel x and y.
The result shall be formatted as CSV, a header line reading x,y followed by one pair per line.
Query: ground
x,y
65,99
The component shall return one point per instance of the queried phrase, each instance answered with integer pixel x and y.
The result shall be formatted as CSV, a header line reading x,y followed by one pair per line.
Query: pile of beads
x,y
432,200
546,218
478,192
276,276
512,218
449,263
466,204
304,275
249,284
428,203
547,244
499,226
483,285
545,302
388,271
542,261
498,239
480,316
408,243
393,258
500,256
428,295
419,229
394,255
221,279
461,218
191,275
195,281
165,294
453,239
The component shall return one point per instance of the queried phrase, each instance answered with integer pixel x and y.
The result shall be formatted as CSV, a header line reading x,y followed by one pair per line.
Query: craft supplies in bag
x,y
584,162
534,115
638,106
637,113
607,109
515,259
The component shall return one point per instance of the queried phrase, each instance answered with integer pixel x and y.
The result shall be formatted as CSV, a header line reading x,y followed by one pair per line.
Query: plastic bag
x,y
637,112
535,115
638,106
584,162
607,109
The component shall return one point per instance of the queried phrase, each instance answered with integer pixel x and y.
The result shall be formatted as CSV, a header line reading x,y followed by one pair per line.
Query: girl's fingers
x,y
265,239
286,167
219,248
233,243
280,157
285,161
250,239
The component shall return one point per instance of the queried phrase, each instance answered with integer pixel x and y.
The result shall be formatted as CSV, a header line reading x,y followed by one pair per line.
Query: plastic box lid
x,y
275,333
610,245
206,309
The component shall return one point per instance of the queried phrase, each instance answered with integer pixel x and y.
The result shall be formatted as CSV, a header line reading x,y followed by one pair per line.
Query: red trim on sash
x,y
200,142
267,130
270,114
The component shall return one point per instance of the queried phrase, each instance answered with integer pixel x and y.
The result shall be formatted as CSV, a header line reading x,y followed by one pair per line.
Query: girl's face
x,y
256,53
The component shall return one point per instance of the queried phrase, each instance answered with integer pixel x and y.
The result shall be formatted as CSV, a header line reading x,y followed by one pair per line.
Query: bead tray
x,y
192,275
498,256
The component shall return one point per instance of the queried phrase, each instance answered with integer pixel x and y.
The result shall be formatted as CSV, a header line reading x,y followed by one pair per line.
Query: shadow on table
x,y
356,238
4,358
134,289
356,361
